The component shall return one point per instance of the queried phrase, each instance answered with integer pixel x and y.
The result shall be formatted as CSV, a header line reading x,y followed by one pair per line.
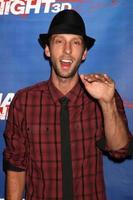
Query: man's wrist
x,y
108,107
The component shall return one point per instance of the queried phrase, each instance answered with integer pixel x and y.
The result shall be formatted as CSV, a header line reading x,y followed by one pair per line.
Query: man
x,y
56,130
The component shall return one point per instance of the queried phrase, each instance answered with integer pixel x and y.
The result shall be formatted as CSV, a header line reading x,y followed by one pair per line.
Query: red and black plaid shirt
x,y
34,142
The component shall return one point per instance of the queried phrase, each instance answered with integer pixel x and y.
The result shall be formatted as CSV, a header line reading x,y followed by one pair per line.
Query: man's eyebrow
x,y
54,36
77,37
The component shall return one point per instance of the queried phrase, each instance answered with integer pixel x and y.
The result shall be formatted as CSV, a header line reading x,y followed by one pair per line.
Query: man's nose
x,y
68,48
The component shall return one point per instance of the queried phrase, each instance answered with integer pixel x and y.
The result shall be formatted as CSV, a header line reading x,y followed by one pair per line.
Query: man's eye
x,y
76,42
58,41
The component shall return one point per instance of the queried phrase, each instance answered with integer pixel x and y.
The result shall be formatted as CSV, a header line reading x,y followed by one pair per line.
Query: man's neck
x,y
64,85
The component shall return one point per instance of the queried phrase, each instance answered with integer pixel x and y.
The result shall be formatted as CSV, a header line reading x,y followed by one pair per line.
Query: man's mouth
x,y
66,63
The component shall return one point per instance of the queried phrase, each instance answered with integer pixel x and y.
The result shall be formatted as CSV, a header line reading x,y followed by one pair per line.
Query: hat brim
x,y
44,40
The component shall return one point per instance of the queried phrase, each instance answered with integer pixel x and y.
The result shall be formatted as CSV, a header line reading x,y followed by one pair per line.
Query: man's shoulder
x,y
40,86
31,91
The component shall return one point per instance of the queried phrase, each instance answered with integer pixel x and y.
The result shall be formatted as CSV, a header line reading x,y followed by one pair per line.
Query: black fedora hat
x,y
66,22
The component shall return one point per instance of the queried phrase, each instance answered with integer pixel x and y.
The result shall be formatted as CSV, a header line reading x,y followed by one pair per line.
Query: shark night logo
x,y
25,7
4,105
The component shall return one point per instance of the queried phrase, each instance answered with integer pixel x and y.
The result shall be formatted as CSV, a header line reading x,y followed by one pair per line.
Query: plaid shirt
x,y
34,142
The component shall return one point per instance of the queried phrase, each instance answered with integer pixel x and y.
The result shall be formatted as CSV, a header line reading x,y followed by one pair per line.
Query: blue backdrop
x,y
22,62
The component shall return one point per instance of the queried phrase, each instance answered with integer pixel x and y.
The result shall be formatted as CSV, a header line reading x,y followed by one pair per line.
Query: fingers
x,y
96,78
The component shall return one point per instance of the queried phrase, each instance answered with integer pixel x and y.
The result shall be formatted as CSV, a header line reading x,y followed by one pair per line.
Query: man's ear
x,y
84,54
47,51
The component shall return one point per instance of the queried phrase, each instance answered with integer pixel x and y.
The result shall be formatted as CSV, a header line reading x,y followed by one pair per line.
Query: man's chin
x,y
66,76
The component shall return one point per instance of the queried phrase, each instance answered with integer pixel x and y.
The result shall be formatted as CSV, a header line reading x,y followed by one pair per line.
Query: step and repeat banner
x,y
22,62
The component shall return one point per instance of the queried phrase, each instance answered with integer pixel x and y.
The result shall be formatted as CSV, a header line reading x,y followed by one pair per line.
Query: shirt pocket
x,y
44,142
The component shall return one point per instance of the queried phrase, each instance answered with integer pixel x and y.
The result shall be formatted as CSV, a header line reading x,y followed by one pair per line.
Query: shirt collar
x,y
72,95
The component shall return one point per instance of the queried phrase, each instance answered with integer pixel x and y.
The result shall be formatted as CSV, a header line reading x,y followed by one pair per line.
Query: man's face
x,y
66,52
